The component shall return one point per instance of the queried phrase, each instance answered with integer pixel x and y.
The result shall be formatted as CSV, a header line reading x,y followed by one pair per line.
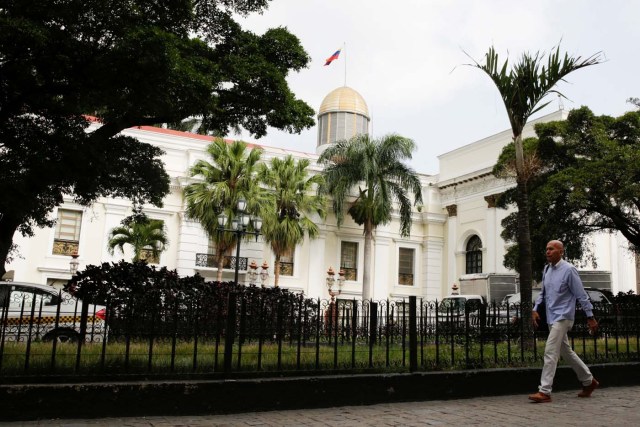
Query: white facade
x,y
457,205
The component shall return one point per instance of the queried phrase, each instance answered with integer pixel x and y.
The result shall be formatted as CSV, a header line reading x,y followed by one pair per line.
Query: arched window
x,y
474,255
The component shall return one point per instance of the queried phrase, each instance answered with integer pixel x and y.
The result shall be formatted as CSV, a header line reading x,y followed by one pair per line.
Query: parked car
x,y
603,309
30,311
453,308
506,298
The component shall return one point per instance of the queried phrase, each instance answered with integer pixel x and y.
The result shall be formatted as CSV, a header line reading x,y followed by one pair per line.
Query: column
x,y
113,215
432,271
383,257
317,267
452,238
491,238
192,240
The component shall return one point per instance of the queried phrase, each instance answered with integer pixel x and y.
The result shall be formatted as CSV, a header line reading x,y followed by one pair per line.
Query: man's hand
x,y
535,318
593,325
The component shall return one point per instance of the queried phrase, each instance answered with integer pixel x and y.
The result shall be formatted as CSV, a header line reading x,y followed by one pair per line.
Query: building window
x,y
66,240
211,246
474,255
405,266
286,263
349,260
146,253
212,253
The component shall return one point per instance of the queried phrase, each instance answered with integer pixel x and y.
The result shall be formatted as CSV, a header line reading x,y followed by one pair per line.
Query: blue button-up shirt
x,y
561,288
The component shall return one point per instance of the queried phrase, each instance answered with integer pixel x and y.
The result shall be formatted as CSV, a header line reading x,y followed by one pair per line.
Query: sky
x,y
407,58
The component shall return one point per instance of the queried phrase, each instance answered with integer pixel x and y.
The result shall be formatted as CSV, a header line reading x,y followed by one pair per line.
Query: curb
x,y
198,397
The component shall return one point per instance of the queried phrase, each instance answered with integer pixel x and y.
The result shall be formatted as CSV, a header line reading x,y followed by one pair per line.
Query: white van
x,y
30,311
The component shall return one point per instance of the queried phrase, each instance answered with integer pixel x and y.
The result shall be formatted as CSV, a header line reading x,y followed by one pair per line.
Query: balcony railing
x,y
350,273
65,247
286,268
229,263
405,279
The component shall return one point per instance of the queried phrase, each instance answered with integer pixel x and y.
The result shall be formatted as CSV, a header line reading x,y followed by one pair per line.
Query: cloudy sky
x,y
407,59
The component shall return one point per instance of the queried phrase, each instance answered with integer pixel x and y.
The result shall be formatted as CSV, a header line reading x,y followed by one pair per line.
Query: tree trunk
x,y
220,259
524,239
7,230
276,271
366,268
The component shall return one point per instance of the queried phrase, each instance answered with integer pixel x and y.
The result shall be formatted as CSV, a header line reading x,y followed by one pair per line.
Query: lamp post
x,y
239,226
252,273
264,274
74,263
331,281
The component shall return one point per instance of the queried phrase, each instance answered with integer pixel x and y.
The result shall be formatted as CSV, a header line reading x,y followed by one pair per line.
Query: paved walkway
x,y
614,406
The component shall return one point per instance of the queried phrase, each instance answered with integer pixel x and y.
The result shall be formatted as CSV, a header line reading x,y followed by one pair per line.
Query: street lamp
x,y
331,281
74,263
264,274
252,273
239,226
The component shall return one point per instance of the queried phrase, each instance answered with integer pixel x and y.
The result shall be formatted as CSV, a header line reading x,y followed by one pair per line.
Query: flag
x,y
332,57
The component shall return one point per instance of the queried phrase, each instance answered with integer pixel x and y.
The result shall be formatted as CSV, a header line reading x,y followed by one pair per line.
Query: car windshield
x,y
452,304
597,296
507,299
516,299
594,296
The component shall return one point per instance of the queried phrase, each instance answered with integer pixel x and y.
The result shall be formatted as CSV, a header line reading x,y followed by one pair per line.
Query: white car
x,y
30,311
452,308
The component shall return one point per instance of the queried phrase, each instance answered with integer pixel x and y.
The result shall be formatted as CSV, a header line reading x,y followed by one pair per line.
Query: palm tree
x,y
376,164
229,177
142,233
285,226
522,90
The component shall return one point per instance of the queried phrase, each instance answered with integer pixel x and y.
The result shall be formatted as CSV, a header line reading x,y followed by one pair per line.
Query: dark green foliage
x,y
548,220
293,189
523,86
376,167
129,63
44,158
587,181
143,299
141,233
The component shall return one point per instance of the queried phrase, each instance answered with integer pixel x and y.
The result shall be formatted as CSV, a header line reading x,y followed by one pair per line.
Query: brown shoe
x,y
588,389
540,397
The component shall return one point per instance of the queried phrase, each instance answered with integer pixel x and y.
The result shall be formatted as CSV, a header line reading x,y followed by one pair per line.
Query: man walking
x,y
561,288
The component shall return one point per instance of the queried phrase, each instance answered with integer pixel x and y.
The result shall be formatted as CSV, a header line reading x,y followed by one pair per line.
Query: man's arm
x,y
577,289
535,317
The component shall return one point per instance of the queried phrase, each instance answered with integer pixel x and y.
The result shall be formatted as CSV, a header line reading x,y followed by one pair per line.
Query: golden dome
x,y
344,99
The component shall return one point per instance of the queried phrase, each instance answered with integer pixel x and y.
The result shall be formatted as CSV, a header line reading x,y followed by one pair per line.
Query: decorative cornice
x,y
452,210
464,179
491,200
431,217
486,185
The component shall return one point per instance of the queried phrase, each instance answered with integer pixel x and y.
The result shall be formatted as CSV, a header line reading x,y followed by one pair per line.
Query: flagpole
x,y
344,47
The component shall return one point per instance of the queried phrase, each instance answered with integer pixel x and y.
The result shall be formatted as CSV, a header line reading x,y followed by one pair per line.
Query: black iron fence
x,y
252,334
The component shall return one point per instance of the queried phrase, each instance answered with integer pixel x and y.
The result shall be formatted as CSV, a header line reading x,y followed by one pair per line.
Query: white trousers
x,y
558,345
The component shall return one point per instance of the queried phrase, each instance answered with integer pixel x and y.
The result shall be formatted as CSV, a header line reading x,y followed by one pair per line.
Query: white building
x,y
457,232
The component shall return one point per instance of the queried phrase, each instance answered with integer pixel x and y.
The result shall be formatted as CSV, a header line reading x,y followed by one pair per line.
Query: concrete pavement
x,y
609,406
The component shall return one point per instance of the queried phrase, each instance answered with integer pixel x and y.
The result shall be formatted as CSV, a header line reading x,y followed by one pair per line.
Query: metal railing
x,y
229,263
253,335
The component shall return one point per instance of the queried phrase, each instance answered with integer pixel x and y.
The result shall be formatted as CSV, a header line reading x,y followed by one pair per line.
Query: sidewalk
x,y
612,406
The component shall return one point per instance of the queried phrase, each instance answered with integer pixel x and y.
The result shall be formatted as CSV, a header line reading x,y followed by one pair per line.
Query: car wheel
x,y
62,335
